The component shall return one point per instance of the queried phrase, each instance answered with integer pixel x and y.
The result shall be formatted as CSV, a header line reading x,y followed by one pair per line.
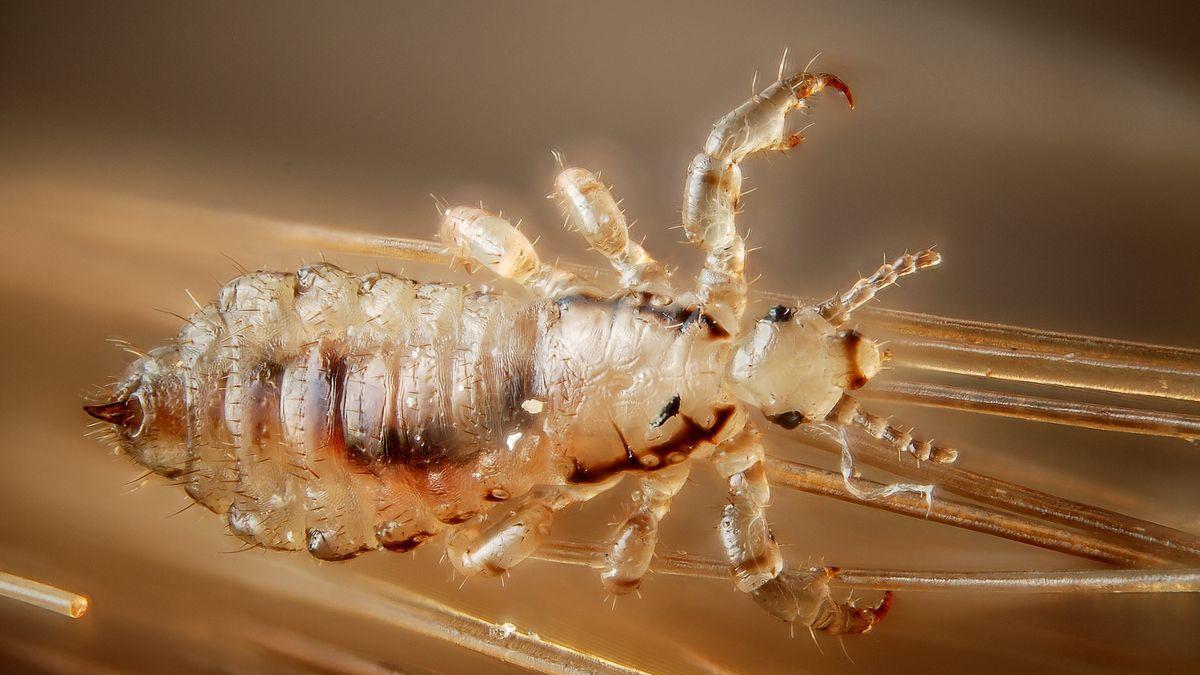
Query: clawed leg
x,y
508,535
478,237
512,531
838,308
849,411
749,545
633,546
754,555
591,209
804,597
714,183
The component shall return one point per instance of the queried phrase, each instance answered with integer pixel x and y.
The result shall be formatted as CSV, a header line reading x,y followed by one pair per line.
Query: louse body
x,y
376,411
337,414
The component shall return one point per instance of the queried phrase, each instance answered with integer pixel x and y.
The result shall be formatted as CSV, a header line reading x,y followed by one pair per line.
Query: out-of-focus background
x,y
1052,152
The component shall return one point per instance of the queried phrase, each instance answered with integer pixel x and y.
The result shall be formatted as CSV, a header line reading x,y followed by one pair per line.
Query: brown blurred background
x,y
1053,153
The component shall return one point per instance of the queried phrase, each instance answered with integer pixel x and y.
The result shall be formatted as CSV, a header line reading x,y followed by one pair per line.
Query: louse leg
x,y
511,536
512,531
848,412
838,308
592,211
754,556
475,236
749,545
714,184
633,546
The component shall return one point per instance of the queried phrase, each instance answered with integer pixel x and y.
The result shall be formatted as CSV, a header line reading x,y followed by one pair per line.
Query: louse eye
x,y
127,413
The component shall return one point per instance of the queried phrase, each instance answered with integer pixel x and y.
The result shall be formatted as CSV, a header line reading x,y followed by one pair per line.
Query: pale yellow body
x,y
339,414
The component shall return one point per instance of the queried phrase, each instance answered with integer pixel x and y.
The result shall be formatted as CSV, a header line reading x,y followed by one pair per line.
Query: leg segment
x,y
591,210
633,546
804,597
849,411
838,308
749,545
506,538
754,555
511,532
714,183
478,237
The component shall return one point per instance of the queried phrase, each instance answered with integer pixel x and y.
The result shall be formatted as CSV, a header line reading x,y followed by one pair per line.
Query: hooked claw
x,y
851,620
803,597
808,85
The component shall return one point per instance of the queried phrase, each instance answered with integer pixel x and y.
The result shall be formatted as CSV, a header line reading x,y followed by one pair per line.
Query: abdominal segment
x,y
337,414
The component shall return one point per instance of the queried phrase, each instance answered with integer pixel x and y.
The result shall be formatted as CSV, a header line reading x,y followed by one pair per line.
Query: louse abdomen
x,y
338,414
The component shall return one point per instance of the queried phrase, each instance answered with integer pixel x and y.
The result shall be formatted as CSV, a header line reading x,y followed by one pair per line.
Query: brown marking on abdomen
x,y
419,448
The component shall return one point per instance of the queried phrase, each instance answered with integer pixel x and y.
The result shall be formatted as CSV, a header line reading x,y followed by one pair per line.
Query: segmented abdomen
x,y
340,414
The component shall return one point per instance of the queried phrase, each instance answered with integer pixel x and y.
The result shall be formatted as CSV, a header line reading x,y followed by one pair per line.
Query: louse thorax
x,y
632,382
794,365
147,412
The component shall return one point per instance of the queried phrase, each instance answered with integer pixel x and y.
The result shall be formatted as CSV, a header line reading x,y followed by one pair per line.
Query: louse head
x,y
794,365
145,412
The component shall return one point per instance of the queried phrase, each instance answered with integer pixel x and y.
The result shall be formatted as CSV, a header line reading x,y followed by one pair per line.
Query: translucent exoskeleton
x,y
338,414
